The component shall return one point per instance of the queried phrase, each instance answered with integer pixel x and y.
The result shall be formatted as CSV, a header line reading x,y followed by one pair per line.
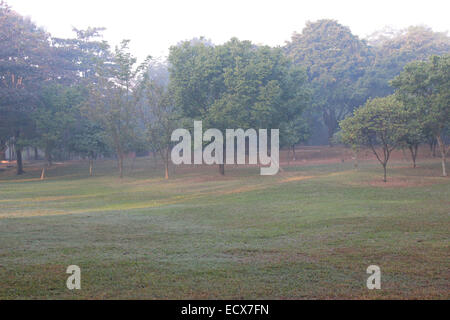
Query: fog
x,y
153,26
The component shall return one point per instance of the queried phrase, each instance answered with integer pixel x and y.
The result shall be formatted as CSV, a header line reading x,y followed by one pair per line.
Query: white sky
x,y
155,25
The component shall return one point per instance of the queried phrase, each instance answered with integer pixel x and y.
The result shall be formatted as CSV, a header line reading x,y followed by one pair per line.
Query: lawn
x,y
308,233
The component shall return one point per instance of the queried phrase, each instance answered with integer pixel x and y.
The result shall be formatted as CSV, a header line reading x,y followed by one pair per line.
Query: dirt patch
x,y
328,155
396,182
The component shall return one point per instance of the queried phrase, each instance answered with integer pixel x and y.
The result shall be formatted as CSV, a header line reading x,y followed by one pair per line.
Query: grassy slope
x,y
310,232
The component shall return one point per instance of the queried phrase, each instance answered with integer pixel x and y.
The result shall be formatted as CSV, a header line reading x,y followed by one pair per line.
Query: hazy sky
x,y
155,25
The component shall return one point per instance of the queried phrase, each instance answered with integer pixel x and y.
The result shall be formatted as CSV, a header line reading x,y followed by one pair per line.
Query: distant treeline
x,y
80,97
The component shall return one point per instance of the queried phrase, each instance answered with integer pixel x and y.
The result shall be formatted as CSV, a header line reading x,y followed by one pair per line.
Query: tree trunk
x,y
119,152
330,137
36,154
120,159
48,158
414,150
12,152
19,161
43,173
166,176
329,117
433,144
91,167
356,164
383,161
443,148
166,162
2,151
295,156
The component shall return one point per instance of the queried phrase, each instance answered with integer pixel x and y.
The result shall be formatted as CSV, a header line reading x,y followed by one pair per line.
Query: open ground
x,y
308,233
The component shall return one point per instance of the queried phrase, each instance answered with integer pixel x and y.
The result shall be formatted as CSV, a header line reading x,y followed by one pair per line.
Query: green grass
x,y
308,233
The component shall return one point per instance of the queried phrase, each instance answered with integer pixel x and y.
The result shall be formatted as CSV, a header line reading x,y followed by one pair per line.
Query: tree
x,y
85,55
89,140
414,132
157,111
379,123
394,49
294,132
335,60
236,85
53,119
427,85
3,147
112,103
25,66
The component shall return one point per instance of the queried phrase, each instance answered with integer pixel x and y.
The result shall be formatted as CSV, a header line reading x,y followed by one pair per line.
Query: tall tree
x,y
112,102
394,49
236,85
55,119
427,85
87,54
157,112
335,60
24,67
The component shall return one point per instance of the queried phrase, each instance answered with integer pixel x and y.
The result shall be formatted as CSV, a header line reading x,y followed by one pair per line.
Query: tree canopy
x,y
380,123
335,60
79,97
426,85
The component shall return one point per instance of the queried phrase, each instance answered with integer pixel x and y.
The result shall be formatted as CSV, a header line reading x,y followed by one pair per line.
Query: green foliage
x,y
426,86
78,96
157,113
393,51
381,122
55,118
236,85
335,60
24,66
89,140
112,103
294,132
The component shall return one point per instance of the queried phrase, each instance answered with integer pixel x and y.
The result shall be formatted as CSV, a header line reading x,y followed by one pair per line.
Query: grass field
x,y
308,233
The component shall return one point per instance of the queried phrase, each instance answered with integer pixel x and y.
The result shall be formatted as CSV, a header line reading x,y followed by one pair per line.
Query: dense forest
x,y
81,98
